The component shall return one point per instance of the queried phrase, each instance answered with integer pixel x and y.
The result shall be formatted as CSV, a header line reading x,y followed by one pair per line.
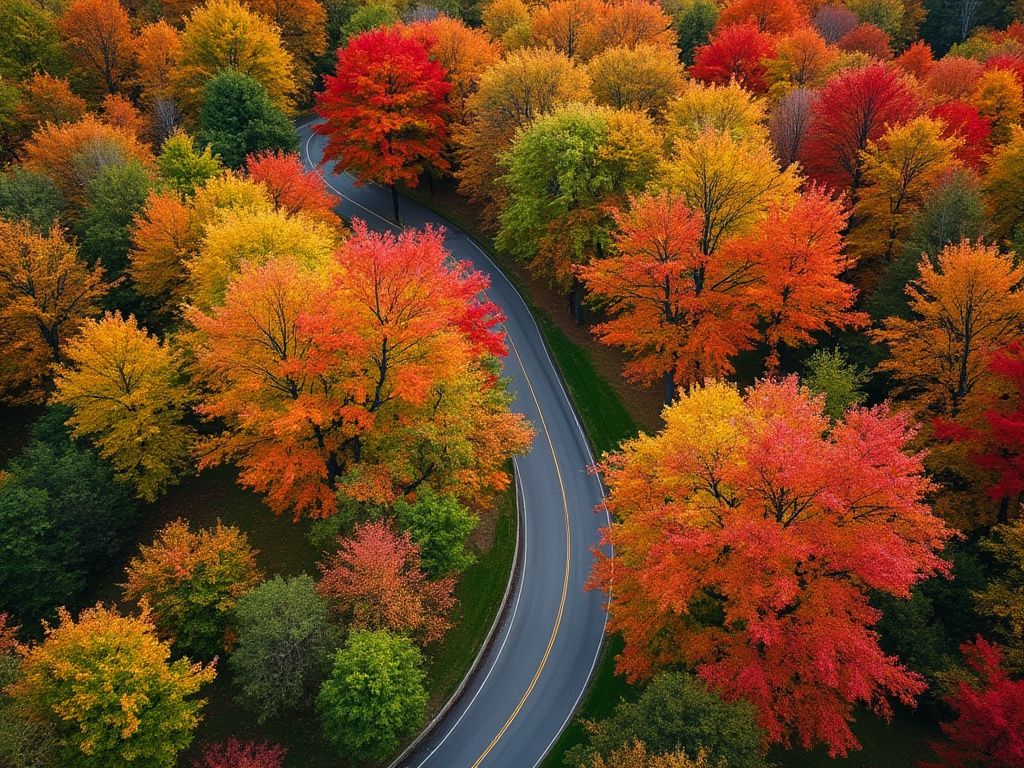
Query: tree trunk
x,y
394,200
670,387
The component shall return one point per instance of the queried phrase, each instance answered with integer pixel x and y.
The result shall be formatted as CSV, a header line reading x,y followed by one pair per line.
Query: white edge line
x,y
590,455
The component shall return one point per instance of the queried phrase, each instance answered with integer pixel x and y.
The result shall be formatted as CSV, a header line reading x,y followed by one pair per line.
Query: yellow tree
x,y
728,109
303,27
731,183
164,237
256,236
636,755
802,60
510,95
46,293
108,686
644,78
966,305
126,393
998,97
222,35
900,170
157,49
507,21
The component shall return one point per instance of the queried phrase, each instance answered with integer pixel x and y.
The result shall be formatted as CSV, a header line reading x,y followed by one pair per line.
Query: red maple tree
x,y
989,728
292,187
735,52
375,581
855,107
384,109
962,119
749,536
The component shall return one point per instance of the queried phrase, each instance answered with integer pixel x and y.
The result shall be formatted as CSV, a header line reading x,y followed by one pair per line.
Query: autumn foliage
x,y
292,188
749,536
238,754
375,581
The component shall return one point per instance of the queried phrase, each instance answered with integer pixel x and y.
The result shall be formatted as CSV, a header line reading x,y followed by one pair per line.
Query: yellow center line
x,y
565,578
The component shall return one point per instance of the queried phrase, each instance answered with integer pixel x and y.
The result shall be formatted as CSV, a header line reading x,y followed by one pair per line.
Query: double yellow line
x,y
565,576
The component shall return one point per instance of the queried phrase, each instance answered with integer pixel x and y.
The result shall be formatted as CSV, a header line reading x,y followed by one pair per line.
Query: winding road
x,y
534,673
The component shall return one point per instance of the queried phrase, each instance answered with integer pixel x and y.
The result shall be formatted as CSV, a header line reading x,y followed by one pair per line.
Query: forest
x,y
257,487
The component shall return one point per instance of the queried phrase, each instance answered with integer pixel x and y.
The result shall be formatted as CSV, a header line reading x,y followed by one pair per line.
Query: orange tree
x,y
749,537
384,110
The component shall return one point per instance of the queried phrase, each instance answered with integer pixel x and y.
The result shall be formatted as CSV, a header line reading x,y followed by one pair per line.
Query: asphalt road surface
x,y
528,685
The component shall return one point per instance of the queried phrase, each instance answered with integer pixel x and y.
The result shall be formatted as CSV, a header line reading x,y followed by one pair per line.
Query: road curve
x,y
530,681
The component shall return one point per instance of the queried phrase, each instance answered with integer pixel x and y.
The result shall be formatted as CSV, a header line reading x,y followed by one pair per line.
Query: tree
x,y
285,639
737,53
727,109
798,255
899,171
567,26
64,519
680,314
772,16
631,24
236,754
833,21
31,198
238,118
998,97
789,124
885,14
917,60
47,99
303,28
384,110
115,195
747,545
46,293
31,42
1003,597
509,97
165,236
989,715
375,580
370,387
867,39
120,112
192,583
225,36
292,188
565,171
109,687
637,756
676,711
802,60
731,183
694,21
966,305
72,155
97,36
644,78
953,78
1001,188
126,393
831,374
374,696
253,236
439,526
855,107
183,168
157,48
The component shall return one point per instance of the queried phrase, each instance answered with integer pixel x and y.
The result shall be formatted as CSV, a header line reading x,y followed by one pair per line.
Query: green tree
x,y
829,373
115,196
694,20
367,17
374,696
285,639
563,173
63,519
183,167
238,118
30,197
1003,187
109,687
677,712
439,525
30,42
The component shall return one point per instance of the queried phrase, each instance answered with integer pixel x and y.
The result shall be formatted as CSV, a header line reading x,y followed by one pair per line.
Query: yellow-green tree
x,y
1003,597
636,755
727,109
107,685
510,96
730,182
223,35
901,170
966,304
256,236
126,393
644,78
1003,187
46,293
